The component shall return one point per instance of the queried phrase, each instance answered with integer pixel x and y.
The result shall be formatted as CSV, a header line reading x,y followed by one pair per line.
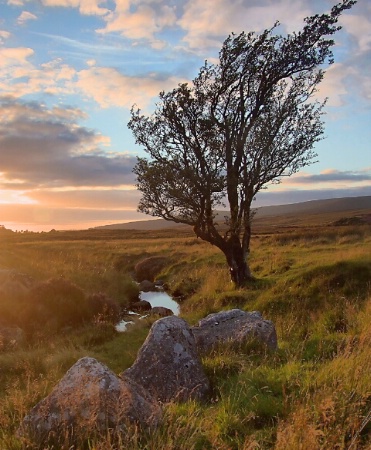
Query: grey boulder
x,y
168,365
235,327
90,397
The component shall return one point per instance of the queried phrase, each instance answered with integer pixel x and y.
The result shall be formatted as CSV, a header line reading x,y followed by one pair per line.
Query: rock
x,y
89,397
168,365
161,311
234,326
14,283
147,286
148,268
142,305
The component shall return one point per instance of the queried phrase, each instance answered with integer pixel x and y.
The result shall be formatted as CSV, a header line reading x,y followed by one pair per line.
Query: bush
x,y
103,307
55,304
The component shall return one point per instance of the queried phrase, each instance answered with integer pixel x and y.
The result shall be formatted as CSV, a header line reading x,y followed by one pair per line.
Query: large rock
x,y
161,311
90,397
168,365
234,326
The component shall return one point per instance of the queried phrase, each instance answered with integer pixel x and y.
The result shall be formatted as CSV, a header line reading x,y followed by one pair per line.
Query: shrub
x,y
103,307
55,304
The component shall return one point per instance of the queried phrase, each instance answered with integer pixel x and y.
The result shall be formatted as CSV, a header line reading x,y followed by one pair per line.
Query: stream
x,y
155,298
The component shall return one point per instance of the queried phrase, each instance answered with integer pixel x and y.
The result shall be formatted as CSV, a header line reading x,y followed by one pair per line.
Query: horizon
x,y
146,218
71,71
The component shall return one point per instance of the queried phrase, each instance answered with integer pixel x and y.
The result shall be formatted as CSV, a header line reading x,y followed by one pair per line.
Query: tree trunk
x,y
236,259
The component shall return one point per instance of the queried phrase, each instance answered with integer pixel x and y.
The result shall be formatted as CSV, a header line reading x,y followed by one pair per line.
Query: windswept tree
x,y
242,124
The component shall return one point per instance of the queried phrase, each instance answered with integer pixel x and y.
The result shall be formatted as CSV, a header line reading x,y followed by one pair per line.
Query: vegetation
x,y
314,283
241,125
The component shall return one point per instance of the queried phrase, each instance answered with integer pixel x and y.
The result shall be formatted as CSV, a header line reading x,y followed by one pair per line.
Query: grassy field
x,y
313,282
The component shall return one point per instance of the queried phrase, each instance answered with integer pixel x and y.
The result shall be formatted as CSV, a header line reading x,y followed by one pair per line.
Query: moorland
x,y
313,280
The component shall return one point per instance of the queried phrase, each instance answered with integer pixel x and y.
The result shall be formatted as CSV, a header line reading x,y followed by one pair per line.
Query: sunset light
x,y
70,71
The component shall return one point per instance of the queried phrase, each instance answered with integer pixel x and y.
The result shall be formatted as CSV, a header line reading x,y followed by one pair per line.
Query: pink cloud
x,y
109,87
143,22
86,7
25,17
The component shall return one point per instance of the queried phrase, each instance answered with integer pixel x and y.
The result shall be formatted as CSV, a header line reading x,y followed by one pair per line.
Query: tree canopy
x,y
242,124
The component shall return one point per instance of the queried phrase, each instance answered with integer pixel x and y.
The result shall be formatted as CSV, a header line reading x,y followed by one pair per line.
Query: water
x,y
155,298
160,298
122,325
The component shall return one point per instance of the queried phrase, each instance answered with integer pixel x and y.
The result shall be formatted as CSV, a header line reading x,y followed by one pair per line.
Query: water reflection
x,y
160,298
156,298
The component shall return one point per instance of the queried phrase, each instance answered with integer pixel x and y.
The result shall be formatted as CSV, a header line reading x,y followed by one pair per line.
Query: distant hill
x,y
317,206
325,211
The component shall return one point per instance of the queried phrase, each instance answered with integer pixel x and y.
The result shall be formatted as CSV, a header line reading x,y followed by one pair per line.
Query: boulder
x,y
168,365
89,397
147,286
141,305
148,268
161,311
236,327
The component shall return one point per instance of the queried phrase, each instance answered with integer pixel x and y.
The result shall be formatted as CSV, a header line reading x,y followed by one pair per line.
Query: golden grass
x,y
313,393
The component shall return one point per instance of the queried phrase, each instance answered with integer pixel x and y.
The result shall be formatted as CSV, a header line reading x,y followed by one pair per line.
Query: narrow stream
x,y
155,298
160,298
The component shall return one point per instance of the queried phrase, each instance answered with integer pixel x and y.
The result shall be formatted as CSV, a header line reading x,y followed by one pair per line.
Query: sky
x,y
70,71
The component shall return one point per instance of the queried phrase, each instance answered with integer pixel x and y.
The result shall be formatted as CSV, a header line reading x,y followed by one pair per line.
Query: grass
x,y
313,393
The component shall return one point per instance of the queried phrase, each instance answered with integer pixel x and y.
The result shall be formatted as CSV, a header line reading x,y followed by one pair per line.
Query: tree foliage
x,y
242,124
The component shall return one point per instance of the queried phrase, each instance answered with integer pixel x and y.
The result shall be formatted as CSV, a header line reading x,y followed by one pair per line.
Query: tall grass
x,y
313,393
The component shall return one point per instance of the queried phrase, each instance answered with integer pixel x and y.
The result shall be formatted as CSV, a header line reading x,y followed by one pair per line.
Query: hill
x,y
312,212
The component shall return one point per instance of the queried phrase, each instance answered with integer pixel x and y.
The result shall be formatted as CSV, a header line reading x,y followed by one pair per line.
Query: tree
x,y
241,125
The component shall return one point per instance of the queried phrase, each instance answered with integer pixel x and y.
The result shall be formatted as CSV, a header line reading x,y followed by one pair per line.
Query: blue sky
x,y
70,70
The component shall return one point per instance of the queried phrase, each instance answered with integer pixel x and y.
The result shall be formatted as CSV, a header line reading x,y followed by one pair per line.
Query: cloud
x,y
46,148
25,17
140,19
332,175
112,198
330,183
15,56
268,198
109,87
86,7
41,218
207,22
334,85
4,35
16,2
359,26
86,48
20,77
